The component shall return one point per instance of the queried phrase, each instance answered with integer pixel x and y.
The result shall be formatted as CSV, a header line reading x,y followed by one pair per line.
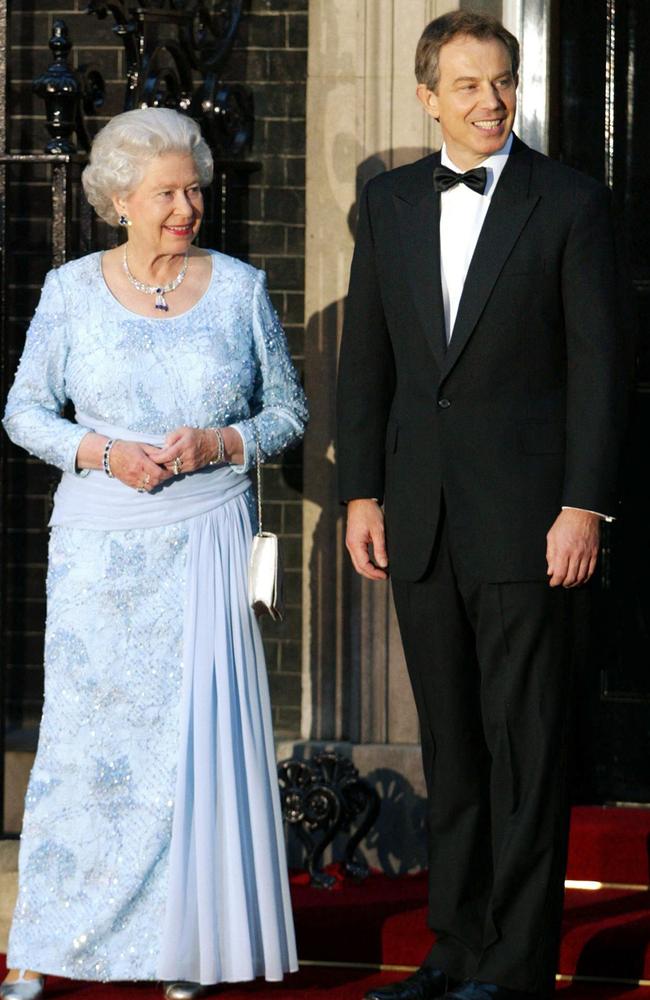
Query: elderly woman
x,y
152,845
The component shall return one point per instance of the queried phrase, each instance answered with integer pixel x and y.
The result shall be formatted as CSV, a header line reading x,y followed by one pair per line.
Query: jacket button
x,y
444,404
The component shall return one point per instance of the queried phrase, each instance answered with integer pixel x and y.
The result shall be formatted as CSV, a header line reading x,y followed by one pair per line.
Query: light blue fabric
x,y
152,844
228,906
97,502
219,363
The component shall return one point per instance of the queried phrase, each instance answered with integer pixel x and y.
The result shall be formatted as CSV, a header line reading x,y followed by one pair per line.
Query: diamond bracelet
x,y
221,448
106,461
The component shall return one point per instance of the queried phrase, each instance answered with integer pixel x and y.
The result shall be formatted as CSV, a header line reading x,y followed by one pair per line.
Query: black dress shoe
x,y
472,989
425,984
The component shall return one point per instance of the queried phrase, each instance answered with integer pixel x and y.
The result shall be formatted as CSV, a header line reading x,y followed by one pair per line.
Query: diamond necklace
x,y
158,290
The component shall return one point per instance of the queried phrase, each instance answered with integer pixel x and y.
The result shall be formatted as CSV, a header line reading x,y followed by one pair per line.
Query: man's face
x,y
475,100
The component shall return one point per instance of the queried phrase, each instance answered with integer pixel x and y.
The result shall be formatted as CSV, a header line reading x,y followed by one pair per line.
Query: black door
x,y
601,125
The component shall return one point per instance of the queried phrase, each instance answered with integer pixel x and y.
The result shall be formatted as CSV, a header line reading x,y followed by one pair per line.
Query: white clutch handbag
x,y
265,567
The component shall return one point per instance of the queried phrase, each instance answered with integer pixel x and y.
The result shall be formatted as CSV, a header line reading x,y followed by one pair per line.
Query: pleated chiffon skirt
x,y
152,845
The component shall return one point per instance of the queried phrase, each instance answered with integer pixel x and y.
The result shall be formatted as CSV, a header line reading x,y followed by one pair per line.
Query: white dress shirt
x,y
462,214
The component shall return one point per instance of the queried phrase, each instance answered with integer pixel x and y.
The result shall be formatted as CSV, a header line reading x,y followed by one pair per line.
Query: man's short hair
x,y
458,22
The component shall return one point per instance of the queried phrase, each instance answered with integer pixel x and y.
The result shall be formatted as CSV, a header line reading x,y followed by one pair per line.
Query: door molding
x,y
530,21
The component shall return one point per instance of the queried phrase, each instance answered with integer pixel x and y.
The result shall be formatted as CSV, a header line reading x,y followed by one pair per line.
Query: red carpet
x,y
308,984
605,942
610,845
606,932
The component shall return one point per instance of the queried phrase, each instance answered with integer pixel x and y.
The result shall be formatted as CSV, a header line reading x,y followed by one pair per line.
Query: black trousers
x,y
491,666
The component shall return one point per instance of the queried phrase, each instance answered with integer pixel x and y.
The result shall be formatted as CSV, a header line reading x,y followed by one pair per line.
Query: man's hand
x,y
365,528
572,547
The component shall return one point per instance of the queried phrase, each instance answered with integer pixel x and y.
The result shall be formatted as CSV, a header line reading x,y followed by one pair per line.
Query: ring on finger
x,y
177,465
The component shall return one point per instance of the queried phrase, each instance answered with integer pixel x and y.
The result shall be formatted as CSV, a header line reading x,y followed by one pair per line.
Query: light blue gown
x,y
152,843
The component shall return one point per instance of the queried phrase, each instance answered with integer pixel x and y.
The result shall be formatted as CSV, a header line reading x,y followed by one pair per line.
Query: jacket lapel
x,y
506,217
418,212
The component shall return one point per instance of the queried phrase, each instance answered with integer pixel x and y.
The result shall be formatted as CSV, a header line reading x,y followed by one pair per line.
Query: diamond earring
x,y
124,220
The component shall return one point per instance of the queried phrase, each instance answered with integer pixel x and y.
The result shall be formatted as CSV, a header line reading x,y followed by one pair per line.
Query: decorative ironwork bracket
x,y
326,797
167,43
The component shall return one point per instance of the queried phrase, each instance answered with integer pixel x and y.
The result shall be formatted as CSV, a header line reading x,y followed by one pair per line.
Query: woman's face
x,y
166,208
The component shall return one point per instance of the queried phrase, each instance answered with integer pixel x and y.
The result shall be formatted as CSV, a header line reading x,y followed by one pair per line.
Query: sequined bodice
x,y
219,363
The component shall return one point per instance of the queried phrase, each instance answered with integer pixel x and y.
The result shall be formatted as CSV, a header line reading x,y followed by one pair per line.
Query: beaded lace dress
x,y
152,843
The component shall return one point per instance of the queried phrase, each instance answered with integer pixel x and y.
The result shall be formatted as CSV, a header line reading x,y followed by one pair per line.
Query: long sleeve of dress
x,y
33,416
278,406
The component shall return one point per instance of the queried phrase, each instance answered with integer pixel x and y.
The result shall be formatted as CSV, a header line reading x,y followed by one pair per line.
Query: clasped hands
x,y
186,449
572,544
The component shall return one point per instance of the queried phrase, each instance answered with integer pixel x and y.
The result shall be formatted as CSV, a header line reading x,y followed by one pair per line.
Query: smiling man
x,y
480,415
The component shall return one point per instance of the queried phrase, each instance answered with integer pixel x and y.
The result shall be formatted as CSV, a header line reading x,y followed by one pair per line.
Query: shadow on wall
x,y
398,841
335,590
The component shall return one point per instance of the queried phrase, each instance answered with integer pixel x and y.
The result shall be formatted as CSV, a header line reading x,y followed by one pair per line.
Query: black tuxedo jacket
x,y
523,412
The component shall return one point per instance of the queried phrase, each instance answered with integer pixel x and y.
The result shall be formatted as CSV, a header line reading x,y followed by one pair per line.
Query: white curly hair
x,y
124,147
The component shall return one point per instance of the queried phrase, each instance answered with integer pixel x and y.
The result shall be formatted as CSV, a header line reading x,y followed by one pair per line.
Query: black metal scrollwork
x,y
175,51
326,796
166,43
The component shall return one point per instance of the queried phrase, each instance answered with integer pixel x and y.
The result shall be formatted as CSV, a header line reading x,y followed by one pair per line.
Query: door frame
x,y
531,22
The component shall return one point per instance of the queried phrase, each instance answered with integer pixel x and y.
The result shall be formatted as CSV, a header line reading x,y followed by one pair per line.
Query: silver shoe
x,y
183,991
23,989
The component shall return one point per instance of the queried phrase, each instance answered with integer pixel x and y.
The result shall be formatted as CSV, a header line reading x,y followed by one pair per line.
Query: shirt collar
x,y
494,164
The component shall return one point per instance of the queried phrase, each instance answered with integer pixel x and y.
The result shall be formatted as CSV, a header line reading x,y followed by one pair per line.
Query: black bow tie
x,y
445,179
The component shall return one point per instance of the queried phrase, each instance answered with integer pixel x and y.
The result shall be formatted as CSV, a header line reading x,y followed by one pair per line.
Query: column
x,y
362,118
